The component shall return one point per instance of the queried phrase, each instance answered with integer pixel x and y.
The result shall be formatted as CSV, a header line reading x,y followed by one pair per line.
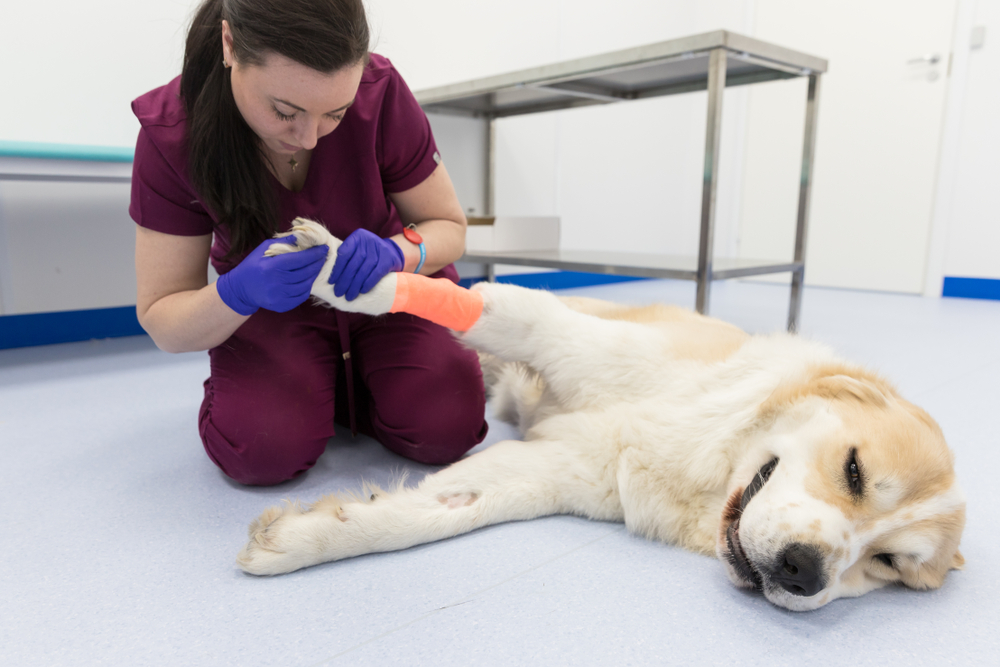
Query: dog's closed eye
x,y
853,474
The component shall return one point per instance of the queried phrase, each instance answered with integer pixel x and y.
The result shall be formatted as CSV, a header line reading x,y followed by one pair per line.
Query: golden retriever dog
x,y
808,477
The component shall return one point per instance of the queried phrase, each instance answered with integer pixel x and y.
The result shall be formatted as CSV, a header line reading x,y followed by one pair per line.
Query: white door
x,y
967,222
880,121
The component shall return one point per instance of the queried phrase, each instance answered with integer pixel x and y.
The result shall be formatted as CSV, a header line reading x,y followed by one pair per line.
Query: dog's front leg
x,y
509,481
582,359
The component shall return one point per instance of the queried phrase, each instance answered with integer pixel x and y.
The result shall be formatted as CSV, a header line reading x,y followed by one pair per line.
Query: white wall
x,y
70,68
623,177
878,139
646,157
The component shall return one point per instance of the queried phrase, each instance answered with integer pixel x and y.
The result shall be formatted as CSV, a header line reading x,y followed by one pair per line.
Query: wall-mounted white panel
x,y
65,246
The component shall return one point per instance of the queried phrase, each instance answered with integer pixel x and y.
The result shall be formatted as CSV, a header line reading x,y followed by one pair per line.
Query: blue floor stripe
x,y
972,288
555,280
67,327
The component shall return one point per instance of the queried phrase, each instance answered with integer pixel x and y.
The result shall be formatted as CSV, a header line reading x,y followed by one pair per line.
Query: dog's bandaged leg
x,y
438,300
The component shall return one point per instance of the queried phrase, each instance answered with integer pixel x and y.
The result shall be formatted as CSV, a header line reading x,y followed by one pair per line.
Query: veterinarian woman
x,y
280,111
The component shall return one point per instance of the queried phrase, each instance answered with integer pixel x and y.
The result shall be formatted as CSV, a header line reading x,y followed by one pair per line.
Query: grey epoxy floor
x,y
118,534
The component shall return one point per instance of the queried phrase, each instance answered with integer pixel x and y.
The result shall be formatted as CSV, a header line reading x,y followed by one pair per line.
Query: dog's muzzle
x,y
797,569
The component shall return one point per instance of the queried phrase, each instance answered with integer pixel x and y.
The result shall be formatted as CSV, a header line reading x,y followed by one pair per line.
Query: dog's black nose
x,y
799,570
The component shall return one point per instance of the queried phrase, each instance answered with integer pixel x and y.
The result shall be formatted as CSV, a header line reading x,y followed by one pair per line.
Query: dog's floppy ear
x,y
849,387
946,529
834,381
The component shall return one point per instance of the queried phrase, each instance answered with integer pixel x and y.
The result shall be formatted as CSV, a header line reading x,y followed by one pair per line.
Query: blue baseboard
x,y
67,327
555,280
972,288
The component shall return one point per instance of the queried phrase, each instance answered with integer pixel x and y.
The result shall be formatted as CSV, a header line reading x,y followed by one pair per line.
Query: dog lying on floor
x,y
808,477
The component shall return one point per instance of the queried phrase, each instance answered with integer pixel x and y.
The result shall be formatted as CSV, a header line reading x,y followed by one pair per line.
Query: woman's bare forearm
x,y
444,242
433,208
190,321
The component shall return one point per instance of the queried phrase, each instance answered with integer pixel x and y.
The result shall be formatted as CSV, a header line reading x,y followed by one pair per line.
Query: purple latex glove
x,y
276,283
363,259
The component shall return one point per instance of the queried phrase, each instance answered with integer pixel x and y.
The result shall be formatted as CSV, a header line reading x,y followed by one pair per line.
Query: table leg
x,y
490,185
713,130
489,191
805,190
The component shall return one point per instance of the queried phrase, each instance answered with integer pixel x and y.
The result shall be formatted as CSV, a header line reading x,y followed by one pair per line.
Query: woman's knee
x,y
437,431
261,461
261,448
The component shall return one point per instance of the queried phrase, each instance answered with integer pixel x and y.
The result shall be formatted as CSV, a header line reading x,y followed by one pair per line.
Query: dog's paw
x,y
288,538
307,233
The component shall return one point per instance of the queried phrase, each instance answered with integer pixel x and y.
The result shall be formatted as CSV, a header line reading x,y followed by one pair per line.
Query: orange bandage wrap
x,y
438,300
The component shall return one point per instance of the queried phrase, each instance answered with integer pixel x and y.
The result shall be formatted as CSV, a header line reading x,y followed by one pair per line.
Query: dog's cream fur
x,y
661,418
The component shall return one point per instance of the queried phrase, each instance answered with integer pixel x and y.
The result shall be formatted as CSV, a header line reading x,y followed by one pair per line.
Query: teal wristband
x,y
413,236
423,257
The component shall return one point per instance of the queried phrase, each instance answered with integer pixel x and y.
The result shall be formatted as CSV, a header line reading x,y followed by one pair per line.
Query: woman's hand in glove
x,y
277,283
363,259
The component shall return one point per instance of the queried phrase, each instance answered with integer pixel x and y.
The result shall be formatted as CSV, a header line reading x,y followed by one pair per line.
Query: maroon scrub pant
x,y
280,382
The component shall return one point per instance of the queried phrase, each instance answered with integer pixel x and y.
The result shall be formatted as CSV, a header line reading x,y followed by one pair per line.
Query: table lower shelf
x,y
641,265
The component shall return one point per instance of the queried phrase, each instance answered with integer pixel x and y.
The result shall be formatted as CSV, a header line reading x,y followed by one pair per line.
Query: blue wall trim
x,y
972,288
67,327
33,149
555,280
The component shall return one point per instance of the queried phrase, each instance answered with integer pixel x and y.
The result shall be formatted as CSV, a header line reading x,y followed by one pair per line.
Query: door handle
x,y
930,59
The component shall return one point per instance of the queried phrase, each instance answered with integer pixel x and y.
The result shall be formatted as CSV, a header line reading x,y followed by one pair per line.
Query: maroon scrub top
x,y
383,145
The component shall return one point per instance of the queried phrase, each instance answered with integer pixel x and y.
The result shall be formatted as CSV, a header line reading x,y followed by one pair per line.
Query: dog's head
x,y
846,487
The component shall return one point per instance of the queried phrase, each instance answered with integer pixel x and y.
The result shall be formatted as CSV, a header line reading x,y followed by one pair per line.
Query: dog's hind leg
x,y
514,390
509,481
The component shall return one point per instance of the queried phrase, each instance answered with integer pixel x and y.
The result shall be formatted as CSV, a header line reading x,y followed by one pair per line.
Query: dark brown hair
x,y
227,164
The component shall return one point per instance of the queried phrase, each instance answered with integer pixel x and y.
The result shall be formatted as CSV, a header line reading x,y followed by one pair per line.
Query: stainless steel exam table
x,y
709,61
